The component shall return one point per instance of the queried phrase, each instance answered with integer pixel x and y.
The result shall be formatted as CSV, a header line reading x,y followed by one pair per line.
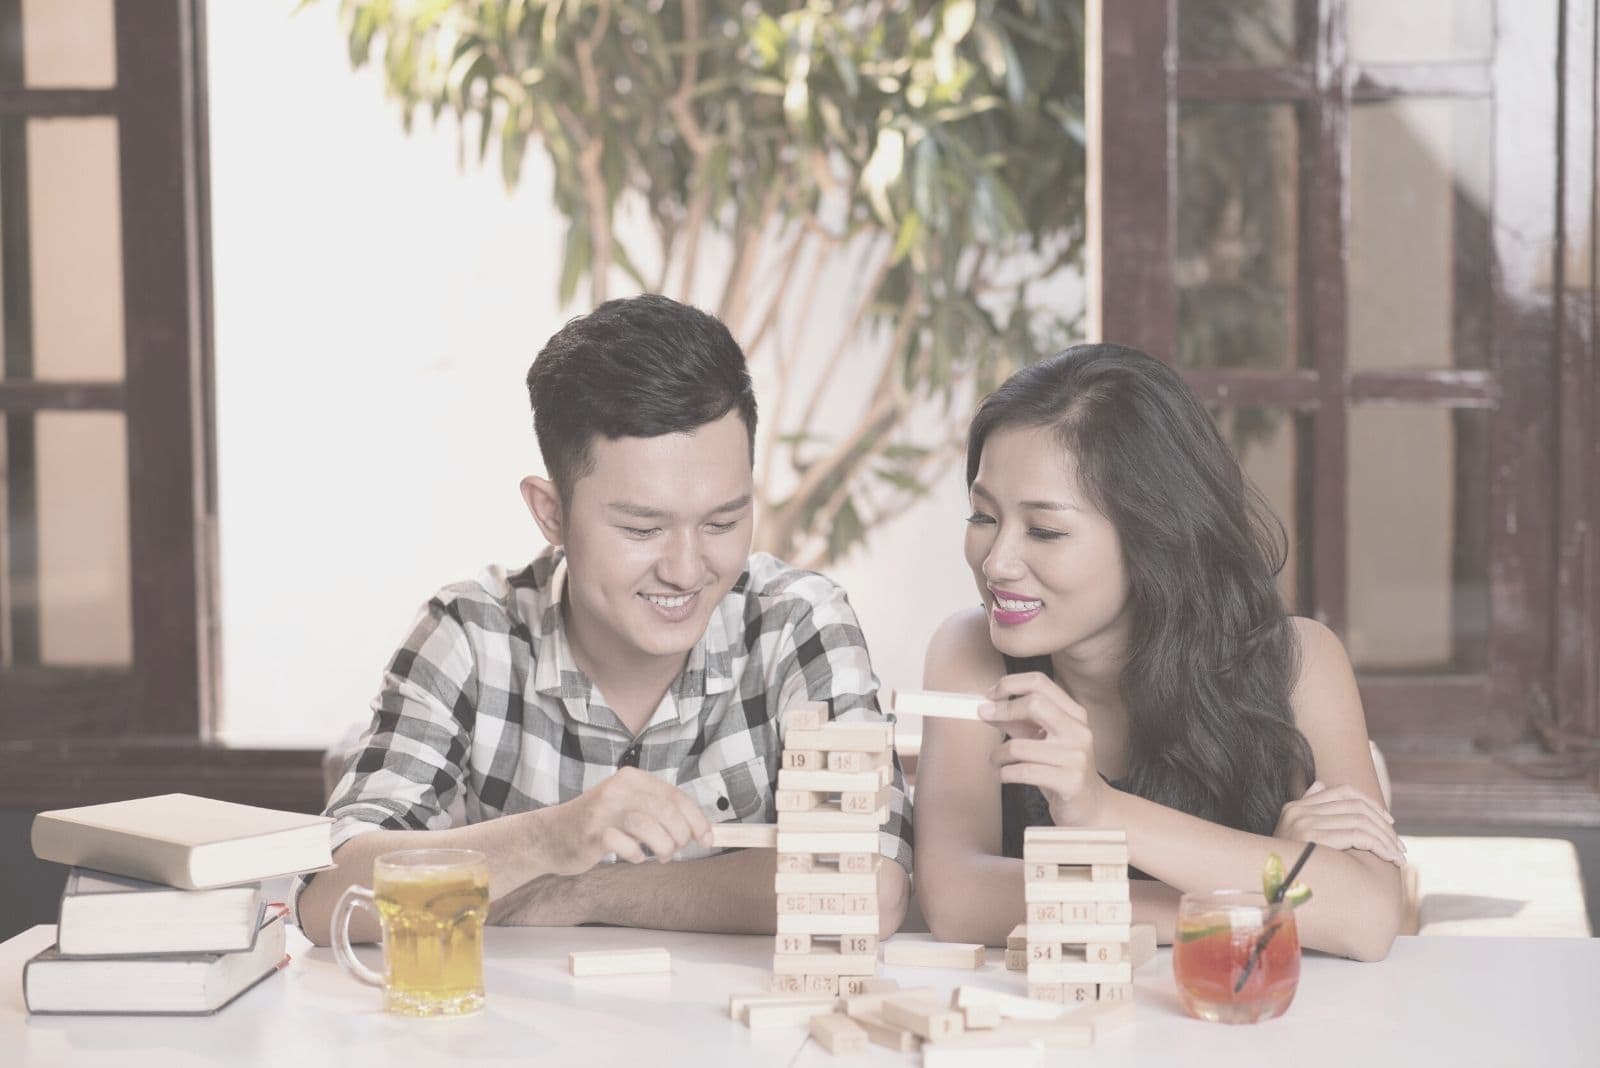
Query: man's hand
x,y
1341,818
627,814
1050,746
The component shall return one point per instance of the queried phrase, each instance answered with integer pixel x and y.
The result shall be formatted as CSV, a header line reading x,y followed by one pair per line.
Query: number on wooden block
x,y
1079,991
858,862
1038,873
787,984
1116,992
1044,951
830,904
860,904
856,802
1102,952
858,943
793,943
792,862
1113,912
802,759
1052,992
1044,912
789,904
822,984
1108,873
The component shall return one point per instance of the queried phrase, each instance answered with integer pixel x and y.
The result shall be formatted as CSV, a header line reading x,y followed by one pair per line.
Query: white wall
x,y
376,310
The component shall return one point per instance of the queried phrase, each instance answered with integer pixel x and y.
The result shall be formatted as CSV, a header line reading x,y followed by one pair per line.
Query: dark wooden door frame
x,y
72,735
1453,740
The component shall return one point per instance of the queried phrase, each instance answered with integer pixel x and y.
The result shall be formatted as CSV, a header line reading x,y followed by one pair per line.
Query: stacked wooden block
x,y
1079,914
832,798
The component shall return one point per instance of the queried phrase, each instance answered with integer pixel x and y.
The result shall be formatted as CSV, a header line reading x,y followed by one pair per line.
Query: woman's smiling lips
x,y
1011,609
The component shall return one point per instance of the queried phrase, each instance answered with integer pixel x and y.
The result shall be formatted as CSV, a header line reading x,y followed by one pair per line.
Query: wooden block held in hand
x,y
744,835
938,705
838,1034
619,962
933,954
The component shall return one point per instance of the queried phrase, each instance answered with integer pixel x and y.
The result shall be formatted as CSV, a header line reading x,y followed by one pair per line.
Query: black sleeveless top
x,y
1022,804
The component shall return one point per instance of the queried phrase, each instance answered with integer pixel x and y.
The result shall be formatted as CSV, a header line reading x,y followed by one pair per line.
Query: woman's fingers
x,y
1040,751
1347,793
1352,833
1036,711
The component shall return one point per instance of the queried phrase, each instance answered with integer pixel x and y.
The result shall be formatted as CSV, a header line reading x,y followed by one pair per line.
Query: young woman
x,y
1141,671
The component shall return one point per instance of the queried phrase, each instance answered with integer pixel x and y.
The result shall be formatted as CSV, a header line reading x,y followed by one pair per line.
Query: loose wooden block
x,y
881,1032
859,863
758,1017
1078,972
838,1034
804,759
827,842
846,760
986,1049
796,862
835,781
937,704
1010,1006
619,962
838,924
1018,938
1078,932
832,819
1075,890
980,1017
1115,992
744,835
822,984
791,943
1084,853
825,881
933,954
922,1016
1113,912
1073,834
738,1004
797,800
1142,943
1108,873
1016,960
806,716
844,737
824,963
861,804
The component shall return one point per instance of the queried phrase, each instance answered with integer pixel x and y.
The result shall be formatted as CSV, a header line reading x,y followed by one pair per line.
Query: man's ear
x,y
544,503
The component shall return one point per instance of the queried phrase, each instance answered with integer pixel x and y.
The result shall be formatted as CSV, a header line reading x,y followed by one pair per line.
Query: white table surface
x,y
1435,1001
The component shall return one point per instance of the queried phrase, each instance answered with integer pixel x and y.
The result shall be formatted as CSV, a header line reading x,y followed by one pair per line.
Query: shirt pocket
x,y
740,792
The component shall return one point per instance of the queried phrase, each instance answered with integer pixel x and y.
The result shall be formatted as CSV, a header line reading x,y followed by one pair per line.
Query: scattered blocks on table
x,y
938,705
619,962
923,954
838,1034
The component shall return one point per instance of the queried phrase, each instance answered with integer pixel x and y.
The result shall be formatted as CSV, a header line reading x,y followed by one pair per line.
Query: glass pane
x,y
1420,31
1237,31
1267,442
85,589
1419,253
1238,197
75,248
69,44
1419,525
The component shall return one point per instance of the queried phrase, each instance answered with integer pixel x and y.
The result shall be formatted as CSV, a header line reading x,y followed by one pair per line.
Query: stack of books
x,y
163,911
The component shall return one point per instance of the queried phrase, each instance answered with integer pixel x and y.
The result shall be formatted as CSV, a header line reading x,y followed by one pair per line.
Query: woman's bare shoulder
x,y
960,656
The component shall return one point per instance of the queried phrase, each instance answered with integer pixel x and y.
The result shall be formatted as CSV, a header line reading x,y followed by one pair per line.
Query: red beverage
x,y
1217,937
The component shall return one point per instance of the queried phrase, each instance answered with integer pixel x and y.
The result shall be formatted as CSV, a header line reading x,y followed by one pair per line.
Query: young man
x,y
627,688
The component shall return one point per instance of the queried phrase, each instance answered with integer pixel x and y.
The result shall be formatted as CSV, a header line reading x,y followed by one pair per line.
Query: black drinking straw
x,y
1266,936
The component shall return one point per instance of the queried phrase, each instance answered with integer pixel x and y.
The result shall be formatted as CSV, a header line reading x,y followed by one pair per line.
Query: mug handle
x,y
339,933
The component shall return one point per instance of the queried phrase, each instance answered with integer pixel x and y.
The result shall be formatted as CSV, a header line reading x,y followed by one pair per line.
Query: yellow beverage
x,y
433,915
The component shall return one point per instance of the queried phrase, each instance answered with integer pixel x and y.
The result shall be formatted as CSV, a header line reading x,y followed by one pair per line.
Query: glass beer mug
x,y
431,904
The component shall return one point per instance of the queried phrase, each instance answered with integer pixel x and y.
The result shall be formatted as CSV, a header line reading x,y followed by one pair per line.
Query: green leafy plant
x,y
935,148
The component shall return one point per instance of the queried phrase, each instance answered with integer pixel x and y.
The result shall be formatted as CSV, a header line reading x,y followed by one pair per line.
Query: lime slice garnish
x,y
1297,895
1272,876
1194,934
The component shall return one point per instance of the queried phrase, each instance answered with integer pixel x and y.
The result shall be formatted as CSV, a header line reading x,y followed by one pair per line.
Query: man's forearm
x,y
731,893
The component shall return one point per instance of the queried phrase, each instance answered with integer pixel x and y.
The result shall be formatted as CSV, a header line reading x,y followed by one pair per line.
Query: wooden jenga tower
x,y
832,799
1079,914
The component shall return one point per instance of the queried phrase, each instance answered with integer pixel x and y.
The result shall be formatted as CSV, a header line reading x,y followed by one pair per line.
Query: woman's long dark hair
x,y
1212,657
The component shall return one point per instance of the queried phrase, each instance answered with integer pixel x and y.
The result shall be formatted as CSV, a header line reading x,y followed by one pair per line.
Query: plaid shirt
x,y
484,712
